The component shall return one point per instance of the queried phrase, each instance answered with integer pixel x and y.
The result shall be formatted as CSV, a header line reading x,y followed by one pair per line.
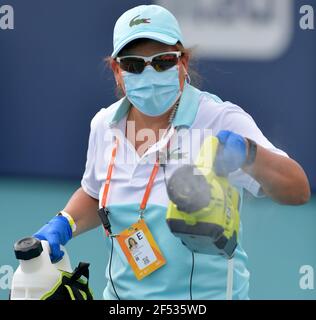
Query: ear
x,y
183,72
116,70
185,60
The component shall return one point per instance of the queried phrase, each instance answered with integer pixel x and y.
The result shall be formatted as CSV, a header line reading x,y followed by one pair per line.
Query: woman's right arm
x,y
58,231
83,209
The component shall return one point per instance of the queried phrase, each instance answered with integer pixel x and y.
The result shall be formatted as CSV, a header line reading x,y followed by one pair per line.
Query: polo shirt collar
x,y
121,111
188,106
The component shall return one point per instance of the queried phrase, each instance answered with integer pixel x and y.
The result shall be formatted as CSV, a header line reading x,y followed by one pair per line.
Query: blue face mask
x,y
152,92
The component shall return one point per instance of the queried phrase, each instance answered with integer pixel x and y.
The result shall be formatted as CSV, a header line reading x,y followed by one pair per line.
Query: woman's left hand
x,y
231,154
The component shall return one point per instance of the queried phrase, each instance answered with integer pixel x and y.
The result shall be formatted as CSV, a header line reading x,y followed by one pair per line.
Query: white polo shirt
x,y
199,114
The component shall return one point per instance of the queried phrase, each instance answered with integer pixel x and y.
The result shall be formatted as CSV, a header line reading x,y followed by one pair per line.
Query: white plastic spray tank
x,y
36,273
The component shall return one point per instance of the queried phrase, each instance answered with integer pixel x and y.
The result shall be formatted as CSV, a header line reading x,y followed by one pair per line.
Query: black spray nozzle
x,y
28,248
188,189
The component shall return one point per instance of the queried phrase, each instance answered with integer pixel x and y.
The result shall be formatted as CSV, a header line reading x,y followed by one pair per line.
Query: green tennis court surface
x,y
279,239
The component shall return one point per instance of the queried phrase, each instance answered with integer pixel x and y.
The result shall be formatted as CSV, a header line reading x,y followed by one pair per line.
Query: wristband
x,y
252,152
70,220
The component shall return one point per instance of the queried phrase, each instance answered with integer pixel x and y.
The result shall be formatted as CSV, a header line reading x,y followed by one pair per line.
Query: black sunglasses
x,y
160,61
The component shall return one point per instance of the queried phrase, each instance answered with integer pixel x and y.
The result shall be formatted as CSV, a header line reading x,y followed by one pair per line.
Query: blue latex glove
x,y
231,154
57,232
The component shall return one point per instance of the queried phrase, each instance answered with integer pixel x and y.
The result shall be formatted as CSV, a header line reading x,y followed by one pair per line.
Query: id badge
x,y
140,249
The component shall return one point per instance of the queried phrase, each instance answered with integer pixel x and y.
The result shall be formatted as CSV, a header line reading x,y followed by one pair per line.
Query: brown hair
x,y
195,77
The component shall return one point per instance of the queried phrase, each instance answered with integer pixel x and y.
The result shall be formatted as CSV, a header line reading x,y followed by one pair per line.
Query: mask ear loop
x,y
187,76
118,87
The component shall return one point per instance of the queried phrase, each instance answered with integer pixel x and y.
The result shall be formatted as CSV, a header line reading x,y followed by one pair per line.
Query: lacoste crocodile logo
x,y
135,21
177,155
173,155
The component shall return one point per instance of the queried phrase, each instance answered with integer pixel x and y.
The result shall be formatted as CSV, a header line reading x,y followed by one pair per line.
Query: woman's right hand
x,y
57,232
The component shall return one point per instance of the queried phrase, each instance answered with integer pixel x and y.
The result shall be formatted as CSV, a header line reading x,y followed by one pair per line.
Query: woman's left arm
x,y
281,178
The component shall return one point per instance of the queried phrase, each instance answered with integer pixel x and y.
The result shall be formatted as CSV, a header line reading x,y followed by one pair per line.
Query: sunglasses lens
x,y
160,63
164,62
133,65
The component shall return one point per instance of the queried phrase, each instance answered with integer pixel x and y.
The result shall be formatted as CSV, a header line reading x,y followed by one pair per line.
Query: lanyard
x,y
109,173
148,187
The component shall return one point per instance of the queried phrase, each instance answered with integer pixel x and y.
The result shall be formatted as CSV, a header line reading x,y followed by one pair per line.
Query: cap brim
x,y
147,35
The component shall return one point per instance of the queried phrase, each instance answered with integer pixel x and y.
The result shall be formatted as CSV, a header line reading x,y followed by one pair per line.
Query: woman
x,y
123,179
132,244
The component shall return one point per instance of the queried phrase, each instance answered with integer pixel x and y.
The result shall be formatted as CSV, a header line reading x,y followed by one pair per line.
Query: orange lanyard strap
x,y
109,174
149,186
151,182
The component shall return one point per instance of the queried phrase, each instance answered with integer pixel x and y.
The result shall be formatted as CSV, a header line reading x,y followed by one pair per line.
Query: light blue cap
x,y
146,21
